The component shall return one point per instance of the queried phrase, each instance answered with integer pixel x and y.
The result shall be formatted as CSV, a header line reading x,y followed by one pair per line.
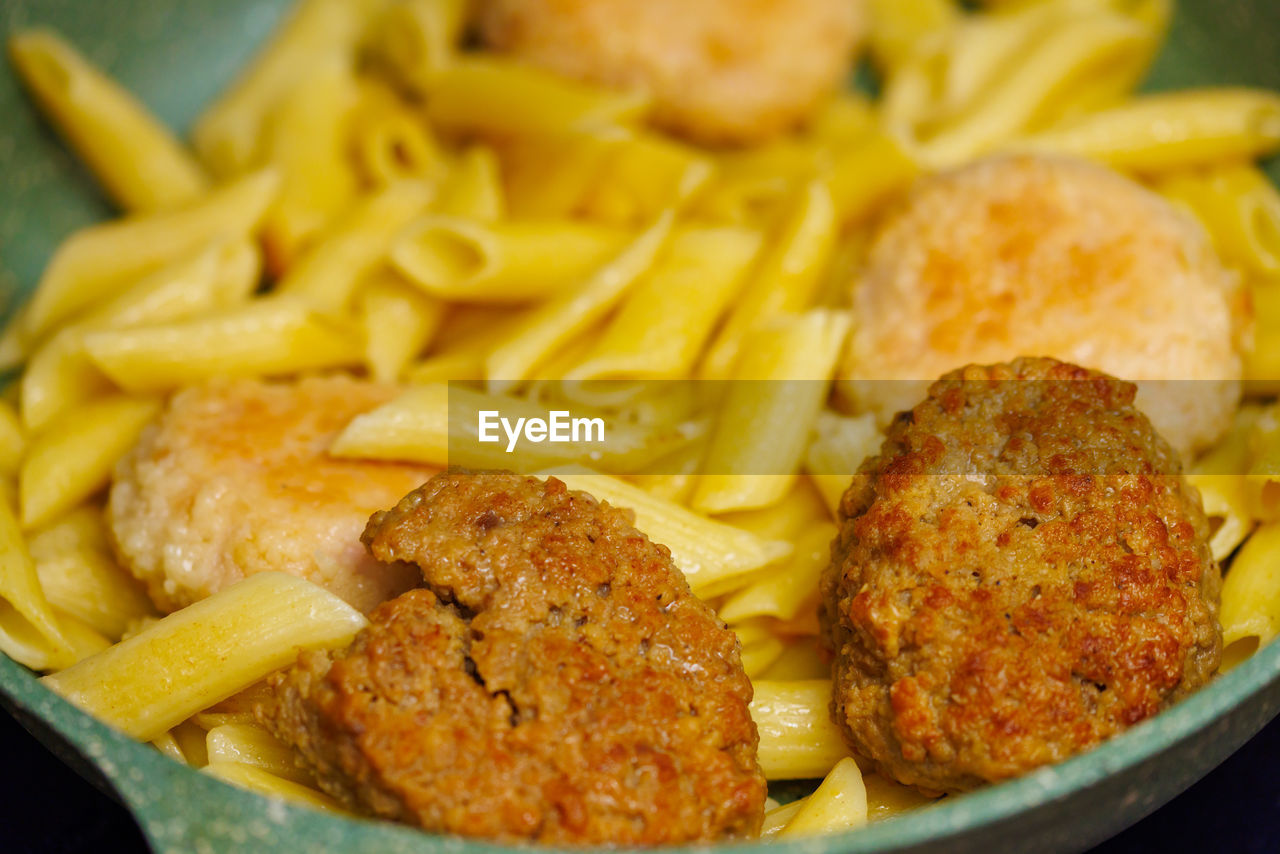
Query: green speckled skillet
x,y
176,55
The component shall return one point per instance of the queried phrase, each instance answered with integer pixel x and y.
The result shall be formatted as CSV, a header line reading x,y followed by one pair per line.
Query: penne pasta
x,y
74,456
59,375
701,268
886,798
706,551
354,245
501,97
785,590
13,442
414,39
84,639
392,142
1168,131
269,336
228,135
838,804
1240,208
305,139
1250,613
473,187
798,739
399,321
785,278
866,173
250,744
30,632
1262,361
206,652
798,661
263,782
79,576
95,262
1226,503
776,818
135,158
552,324
508,261
413,427
780,383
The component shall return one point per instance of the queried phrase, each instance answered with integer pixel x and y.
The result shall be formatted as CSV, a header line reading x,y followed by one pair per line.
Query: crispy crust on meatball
x,y
719,71
1020,574
556,681
1057,256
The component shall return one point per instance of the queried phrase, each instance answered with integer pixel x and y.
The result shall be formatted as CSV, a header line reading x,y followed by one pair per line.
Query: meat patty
x,y
719,71
555,681
1055,256
1020,574
234,479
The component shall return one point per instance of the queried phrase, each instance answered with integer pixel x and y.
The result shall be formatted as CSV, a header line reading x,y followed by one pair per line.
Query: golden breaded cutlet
x,y
234,479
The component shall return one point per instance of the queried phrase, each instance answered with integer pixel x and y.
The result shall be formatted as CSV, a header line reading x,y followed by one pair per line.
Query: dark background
x,y
46,807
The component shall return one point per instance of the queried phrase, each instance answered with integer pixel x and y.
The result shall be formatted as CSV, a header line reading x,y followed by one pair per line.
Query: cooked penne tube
x,y
1167,131
757,646
263,782
780,383
787,519
775,819
1226,503
455,258
30,632
79,576
305,139
399,321
412,427
502,97
268,336
228,134
168,745
838,804
701,269
59,375
1250,613
706,551
414,39
353,246
641,175
551,176
473,187
391,140
206,652
1020,97
552,324
1240,208
782,593
798,661
138,161
887,798
784,280
95,262
1262,360
250,744
866,173
798,740
13,442
84,639
898,28
73,457
190,739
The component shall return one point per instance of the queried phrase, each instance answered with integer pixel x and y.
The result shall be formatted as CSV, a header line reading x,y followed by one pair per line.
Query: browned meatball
x,y
556,682
719,71
1020,574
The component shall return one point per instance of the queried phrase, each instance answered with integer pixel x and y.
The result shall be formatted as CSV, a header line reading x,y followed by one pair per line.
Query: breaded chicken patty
x,y
719,71
556,680
234,479
1020,574
1034,254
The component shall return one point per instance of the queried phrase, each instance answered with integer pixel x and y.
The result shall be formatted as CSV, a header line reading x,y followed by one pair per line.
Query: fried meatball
x,y
1036,254
555,681
234,479
1020,574
719,71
